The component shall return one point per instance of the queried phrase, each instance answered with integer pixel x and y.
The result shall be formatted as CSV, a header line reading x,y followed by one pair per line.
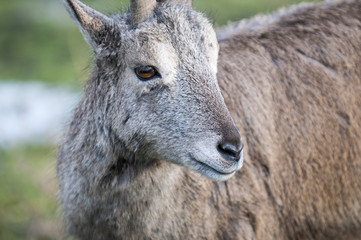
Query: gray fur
x,y
293,88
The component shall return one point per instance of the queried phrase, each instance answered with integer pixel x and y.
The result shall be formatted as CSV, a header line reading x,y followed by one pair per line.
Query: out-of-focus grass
x,y
44,48
28,189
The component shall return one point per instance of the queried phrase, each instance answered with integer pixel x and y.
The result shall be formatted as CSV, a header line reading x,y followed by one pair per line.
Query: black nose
x,y
230,151
230,146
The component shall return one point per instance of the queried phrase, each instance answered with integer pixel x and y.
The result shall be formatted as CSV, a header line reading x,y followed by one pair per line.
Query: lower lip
x,y
209,167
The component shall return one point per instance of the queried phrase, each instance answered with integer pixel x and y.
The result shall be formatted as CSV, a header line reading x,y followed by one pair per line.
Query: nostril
x,y
230,151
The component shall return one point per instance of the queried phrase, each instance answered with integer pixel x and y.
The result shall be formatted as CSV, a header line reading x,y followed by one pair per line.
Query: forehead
x,y
185,26
173,24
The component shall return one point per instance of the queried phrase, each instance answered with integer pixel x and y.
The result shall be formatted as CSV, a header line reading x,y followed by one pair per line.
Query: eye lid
x,y
146,72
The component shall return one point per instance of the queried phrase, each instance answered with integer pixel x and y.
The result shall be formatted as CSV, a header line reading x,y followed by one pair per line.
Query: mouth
x,y
211,172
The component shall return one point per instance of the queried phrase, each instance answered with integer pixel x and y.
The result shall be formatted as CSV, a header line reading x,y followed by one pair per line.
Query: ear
x,y
90,22
185,2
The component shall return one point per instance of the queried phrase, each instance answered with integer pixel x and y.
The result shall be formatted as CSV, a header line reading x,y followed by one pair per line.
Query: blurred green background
x,y
39,42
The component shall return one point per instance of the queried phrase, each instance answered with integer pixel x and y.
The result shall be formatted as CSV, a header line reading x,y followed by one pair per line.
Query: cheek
x,y
125,99
131,87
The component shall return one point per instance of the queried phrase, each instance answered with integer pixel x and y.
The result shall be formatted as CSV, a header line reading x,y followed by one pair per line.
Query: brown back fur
x,y
294,91
293,88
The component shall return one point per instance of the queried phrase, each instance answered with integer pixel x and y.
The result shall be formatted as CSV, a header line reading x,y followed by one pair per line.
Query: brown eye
x,y
145,73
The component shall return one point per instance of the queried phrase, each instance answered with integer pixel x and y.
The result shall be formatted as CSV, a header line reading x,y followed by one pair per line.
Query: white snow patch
x,y
33,113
